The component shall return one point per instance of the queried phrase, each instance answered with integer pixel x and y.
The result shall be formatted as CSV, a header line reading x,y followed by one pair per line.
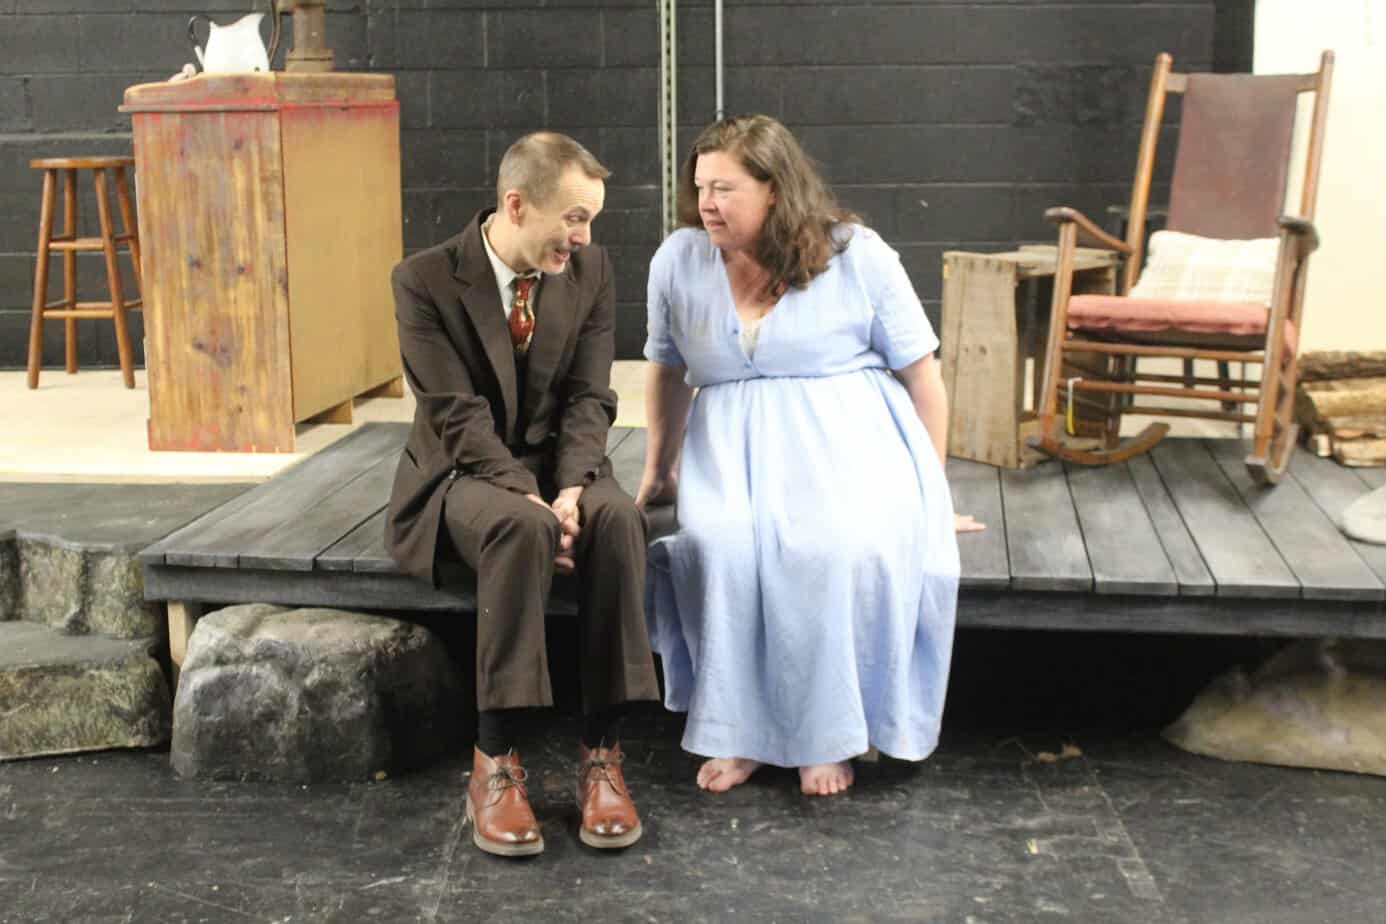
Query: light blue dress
x,y
804,610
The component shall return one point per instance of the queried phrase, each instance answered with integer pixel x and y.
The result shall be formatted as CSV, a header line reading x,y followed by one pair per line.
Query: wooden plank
x,y
1319,365
211,221
219,539
1333,488
976,490
1043,539
1373,477
341,245
182,619
1184,615
1190,571
301,588
1042,259
362,549
1316,551
1123,544
618,435
297,541
347,589
1242,559
980,364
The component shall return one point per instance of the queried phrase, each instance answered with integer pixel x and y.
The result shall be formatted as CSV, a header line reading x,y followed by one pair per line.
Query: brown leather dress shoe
x,y
609,818
498,807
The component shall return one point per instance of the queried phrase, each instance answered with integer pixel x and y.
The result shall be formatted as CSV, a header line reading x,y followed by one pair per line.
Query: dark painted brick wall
x,y
946,124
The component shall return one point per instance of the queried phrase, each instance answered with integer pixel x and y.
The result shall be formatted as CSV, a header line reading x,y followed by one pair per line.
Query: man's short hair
x,y
534,164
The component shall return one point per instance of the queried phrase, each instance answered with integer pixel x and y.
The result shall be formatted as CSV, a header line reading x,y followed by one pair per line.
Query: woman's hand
x,y
966,523
657,491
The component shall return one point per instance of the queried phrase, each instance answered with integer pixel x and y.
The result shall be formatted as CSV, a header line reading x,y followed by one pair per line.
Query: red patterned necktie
x,y
521,315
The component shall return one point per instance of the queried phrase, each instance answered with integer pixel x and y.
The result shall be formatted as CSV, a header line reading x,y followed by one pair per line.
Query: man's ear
x,y
514,205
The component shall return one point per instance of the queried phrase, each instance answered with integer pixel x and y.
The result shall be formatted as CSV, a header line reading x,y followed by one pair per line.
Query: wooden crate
x,y
269,210
995,317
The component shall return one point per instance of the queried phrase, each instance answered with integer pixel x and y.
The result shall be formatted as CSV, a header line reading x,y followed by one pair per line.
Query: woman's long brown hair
x,y
802,231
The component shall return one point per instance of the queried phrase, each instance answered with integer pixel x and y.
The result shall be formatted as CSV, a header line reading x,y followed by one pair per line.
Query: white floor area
x,y
89,427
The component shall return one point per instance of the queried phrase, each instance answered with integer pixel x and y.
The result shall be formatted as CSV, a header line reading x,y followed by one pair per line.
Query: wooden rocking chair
x,y
1230,173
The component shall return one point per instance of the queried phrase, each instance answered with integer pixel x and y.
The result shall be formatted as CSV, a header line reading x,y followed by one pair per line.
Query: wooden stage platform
x,y
1176,541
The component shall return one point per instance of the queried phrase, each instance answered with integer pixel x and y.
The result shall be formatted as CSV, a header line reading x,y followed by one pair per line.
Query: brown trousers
x,y
510,542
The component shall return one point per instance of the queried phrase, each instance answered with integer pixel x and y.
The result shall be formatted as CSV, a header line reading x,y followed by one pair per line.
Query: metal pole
x,y
668,114
717,27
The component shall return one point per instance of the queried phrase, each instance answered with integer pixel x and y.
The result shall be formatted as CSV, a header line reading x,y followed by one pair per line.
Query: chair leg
x,y
70,270
1276,414
103,211
1118,370
127,221
1047,409
41,277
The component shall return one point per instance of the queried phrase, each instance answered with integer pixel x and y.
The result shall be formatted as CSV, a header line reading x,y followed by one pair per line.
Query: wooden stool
x,y
990,329
70,244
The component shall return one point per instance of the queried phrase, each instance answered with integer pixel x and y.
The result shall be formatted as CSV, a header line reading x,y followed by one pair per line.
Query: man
x,y
507,334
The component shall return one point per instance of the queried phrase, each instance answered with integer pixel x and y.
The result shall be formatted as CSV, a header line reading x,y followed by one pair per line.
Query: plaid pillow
x,y
1185,267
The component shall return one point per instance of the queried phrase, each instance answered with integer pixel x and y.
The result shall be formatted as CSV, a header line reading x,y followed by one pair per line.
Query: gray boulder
x,y
1317,703
306,695
61,694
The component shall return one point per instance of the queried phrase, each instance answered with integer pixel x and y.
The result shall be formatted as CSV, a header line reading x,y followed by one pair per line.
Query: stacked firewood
x,y
1341,405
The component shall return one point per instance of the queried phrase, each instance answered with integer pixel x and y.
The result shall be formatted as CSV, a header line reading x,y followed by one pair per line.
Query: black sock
x,y
603,728
496,731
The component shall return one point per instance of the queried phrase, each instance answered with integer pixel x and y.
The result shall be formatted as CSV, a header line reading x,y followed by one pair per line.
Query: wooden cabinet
x,y
269,211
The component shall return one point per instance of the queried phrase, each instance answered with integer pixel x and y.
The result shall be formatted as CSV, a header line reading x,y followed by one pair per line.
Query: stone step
x,y
68,552
60,694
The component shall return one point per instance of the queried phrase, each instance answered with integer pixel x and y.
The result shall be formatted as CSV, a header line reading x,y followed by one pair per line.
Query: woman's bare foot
x,y
722,773
825,779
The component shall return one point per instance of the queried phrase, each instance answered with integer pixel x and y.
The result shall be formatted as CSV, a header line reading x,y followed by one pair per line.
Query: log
x,y
1342,398
1323,365
1365,452
1357,427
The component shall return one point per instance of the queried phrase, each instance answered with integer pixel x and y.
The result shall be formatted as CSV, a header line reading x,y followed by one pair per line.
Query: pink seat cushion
x,y
1149,315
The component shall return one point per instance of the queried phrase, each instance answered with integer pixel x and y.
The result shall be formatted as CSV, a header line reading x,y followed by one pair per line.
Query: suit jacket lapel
x,y
480,299
554,314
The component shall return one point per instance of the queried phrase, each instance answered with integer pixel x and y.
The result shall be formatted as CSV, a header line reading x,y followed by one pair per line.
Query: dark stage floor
x,y
1130,831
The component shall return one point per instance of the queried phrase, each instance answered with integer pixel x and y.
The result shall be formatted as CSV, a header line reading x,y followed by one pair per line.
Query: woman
x,y
804,609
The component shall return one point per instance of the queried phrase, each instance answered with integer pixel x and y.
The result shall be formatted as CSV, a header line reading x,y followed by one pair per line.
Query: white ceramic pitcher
x,y
234,49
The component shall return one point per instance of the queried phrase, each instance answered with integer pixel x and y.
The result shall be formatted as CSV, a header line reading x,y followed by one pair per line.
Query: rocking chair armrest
x,y
1062,215
1303,231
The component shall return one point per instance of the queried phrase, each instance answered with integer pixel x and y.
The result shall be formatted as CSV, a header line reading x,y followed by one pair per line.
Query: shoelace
x,y
603,765
506,777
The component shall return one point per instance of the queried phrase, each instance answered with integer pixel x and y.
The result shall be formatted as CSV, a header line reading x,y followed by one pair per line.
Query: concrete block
x,y
81,102
14,105
632,154
489,99
885,95
441,39
630,38
34,46
545,38
443,158
133,42
608,97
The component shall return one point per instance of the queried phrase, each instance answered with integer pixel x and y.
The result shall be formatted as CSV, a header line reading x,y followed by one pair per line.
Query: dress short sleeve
x,y
659,339
900,331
